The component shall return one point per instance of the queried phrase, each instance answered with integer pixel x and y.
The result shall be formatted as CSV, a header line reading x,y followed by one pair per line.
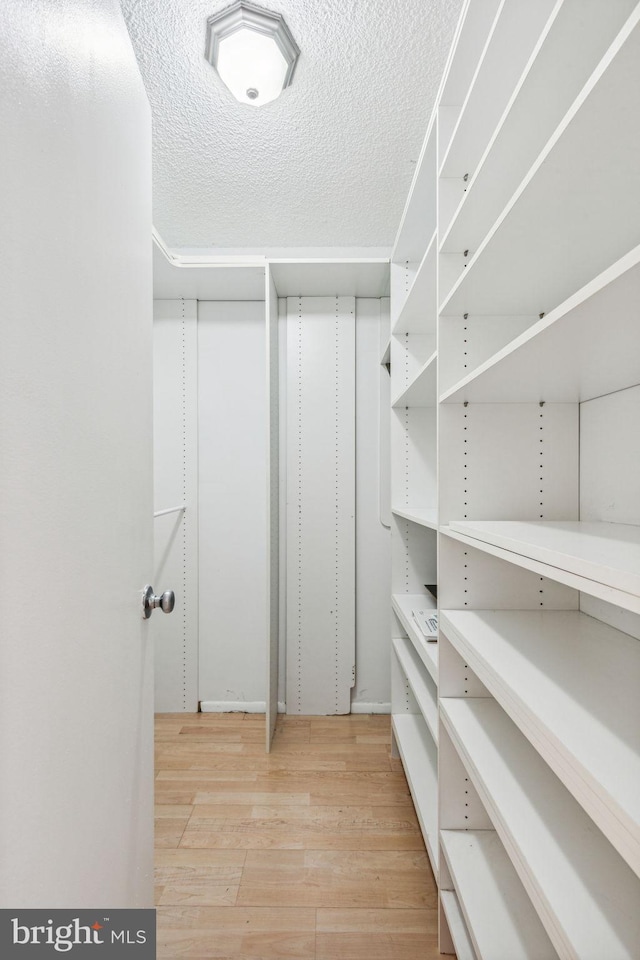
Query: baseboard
x,y
236,706
232,706
370,707
258,706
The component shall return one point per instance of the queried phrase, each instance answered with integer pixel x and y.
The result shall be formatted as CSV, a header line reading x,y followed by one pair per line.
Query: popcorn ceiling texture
x,y
330,162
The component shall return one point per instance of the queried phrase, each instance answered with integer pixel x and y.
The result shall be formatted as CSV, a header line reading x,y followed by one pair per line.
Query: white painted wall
x,y
232,404
76,685
372,691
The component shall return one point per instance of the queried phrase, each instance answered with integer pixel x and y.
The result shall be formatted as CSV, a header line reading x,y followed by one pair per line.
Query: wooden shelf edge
x,y
484,878
457,926
426,699
423,516
428,652
431,252
540,163
523,797
594,588
416,763
611,816
456,393
429,142
427,370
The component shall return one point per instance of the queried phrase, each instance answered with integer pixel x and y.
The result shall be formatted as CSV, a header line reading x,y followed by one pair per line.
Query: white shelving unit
x,y
515,378
549,84
457,926
420,761
420,290
503,924
414,518
585,723
543,222
569,356
421,391
424,518
512,38
471,37
421,685
551,840
595,557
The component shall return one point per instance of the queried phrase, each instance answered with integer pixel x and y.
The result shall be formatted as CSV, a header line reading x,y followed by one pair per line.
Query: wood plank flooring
x,y
310,853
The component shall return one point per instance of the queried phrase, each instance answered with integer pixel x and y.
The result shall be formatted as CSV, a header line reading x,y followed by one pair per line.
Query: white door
x,y
76,658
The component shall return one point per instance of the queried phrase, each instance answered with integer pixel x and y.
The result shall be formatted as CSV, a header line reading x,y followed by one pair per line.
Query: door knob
x,y
166,601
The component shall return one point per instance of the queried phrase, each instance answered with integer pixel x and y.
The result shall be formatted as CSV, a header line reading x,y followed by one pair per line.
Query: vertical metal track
x,y
299,528
183,519
336,455
541,488
406,527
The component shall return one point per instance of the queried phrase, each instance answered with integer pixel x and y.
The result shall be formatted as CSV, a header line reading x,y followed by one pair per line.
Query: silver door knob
x,y
166,601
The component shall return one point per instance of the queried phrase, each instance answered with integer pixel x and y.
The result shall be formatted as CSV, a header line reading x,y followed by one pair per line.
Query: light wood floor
x,y
311,853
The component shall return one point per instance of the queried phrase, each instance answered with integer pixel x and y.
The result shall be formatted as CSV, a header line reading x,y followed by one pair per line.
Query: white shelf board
x,y
327,278
603,592
470,38
585,894
544,223
177,278
419,216
571,684
511,41
422,391
423,516
607,553
192,277
404,604
546,89
418,313
457,926
422,686
500,918
420,761
570,355
386,355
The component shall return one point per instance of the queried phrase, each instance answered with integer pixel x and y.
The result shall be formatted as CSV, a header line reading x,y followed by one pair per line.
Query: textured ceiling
x,y
330,162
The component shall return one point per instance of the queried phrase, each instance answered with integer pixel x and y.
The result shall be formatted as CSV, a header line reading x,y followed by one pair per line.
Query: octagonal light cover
x,y
252,50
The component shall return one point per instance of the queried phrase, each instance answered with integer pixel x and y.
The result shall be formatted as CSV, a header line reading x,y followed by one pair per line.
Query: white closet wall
x,y
320,517
327,424
232,413
372,691
210,406
273,495
210,456
175,451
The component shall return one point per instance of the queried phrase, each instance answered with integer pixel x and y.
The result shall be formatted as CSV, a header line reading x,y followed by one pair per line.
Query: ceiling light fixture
x,y
253,51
